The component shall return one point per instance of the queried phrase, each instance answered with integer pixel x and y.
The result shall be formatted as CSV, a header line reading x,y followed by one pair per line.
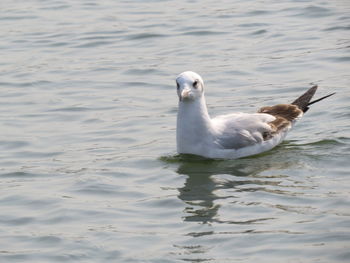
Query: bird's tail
x,y
304,101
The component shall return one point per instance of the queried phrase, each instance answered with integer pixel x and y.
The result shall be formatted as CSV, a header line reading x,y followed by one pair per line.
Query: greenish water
x,y
88,167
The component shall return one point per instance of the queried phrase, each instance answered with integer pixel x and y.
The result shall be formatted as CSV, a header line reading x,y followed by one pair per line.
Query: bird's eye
x,y
195,84
177,85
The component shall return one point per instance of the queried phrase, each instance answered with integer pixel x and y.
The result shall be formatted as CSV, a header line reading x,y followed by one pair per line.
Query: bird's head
x,y
190,86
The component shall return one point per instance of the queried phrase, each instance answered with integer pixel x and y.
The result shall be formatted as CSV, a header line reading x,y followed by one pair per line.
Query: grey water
x,y
88,164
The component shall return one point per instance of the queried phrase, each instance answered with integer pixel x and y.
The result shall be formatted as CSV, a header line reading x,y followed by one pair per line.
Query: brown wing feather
x,y
285,114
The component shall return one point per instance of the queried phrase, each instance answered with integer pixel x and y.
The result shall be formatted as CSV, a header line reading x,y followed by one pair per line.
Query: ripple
x,y
339,59
203,33
36,154
104,33
38,83
254,25
57,6
336,28
142,36
326,142
94,44
20,175
314,11
258,13
98,188
16,221
71,109
10,145
49,240
10,18
141,72
259,32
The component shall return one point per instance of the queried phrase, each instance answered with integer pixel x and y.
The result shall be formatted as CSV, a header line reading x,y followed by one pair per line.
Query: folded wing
x,y
240,130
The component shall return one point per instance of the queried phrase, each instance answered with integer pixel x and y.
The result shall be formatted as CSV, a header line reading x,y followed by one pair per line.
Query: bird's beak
x,y
185,94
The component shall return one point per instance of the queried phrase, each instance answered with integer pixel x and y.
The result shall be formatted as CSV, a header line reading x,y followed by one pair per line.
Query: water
x,y
88,166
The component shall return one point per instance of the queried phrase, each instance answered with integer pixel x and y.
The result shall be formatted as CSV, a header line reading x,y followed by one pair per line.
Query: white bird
x,y
234,135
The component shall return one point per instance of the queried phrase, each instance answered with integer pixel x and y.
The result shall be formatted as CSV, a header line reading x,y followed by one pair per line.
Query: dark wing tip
x,y
314,101
303,101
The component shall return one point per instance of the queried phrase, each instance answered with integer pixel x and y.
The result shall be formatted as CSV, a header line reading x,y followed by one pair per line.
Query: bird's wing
x,y
240,135
285,115
239,130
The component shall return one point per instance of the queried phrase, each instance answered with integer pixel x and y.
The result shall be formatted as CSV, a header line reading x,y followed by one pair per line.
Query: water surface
x,y
88,167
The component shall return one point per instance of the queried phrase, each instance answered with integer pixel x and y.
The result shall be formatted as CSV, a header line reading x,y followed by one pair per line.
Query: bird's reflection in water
x,y
198,193
250,174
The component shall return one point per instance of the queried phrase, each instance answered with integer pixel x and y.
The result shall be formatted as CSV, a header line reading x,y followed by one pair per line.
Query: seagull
x,y
233,135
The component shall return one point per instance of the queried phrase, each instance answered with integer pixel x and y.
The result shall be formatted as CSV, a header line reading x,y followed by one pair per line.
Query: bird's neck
x,y
193,124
